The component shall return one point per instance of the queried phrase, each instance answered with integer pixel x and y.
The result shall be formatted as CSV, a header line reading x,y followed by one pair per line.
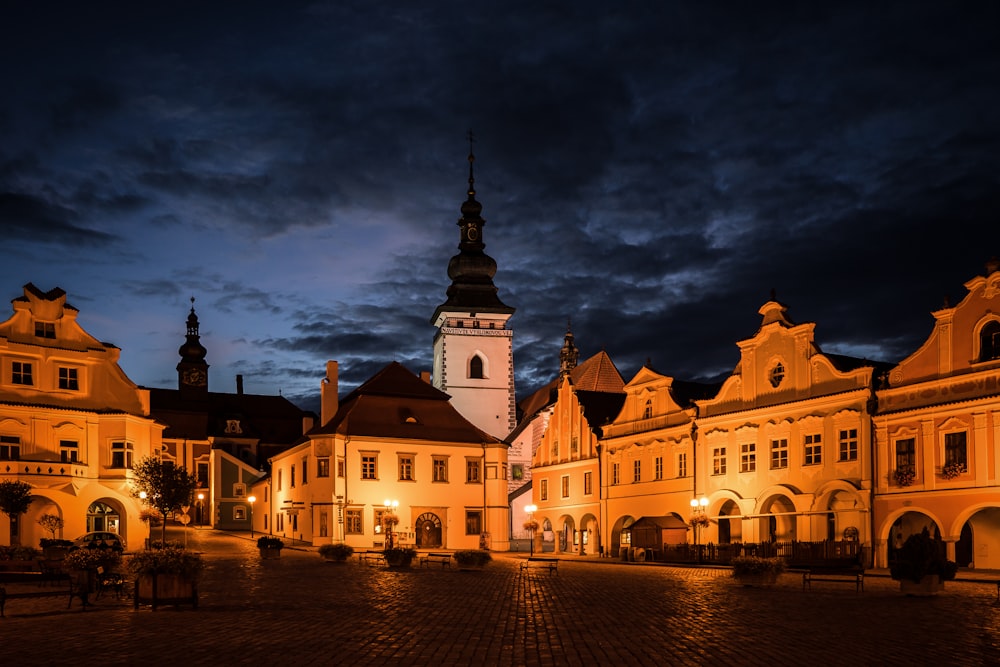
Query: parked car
x,y
101,538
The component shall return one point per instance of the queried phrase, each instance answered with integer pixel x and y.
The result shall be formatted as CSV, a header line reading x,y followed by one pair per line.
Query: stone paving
x,y
300,610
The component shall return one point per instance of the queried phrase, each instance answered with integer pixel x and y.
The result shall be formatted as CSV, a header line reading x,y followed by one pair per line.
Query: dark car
x,y
100,538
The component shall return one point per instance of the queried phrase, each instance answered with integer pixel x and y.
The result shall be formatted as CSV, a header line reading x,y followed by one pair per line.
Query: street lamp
x,y
201,517
532,525
698,521
251,500
390,519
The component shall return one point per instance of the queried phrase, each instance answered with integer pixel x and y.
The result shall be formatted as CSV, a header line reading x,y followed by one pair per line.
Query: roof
x,y
395,403
600,407
596,374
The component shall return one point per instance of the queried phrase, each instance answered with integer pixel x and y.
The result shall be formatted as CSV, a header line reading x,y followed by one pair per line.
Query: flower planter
x,y
929,584
398,562
160,589
270,553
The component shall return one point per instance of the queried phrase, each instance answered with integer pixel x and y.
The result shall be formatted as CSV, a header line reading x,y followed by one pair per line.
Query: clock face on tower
x,y
472,233
194,377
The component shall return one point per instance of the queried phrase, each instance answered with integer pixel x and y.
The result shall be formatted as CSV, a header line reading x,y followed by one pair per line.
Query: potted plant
x,y
336,553
472,559
952,470
270,546
904,476
399,557
168,575
757,571
921,567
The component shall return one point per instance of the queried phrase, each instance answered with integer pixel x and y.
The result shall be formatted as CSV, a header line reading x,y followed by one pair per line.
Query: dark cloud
x,y
27,218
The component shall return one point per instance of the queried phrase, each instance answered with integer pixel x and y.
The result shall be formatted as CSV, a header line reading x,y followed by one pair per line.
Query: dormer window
x,y
777,374
45,329
989,341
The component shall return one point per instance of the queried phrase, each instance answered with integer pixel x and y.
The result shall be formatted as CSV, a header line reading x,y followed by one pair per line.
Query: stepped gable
x,y
596,374
395,403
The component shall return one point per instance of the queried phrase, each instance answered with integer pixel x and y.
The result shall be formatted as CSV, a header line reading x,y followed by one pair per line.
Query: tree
x,y
51,523
168,487
15,498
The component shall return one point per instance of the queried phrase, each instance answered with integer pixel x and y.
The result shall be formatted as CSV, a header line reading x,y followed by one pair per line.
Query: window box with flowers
x,y
952,470
904,476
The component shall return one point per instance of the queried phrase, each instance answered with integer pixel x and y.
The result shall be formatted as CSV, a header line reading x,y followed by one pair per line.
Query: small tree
x,y
51,523
168,487
15,498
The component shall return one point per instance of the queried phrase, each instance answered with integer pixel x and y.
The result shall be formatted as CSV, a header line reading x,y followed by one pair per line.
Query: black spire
x,y
569,354
192,371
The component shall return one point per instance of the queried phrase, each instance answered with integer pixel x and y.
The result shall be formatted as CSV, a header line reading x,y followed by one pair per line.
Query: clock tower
x,y
473,348
192,371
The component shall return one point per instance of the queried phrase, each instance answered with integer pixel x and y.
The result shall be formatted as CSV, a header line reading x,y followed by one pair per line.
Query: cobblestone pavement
x,y
300,610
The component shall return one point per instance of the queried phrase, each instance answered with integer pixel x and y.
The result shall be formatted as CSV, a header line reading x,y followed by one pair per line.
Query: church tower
x,y
192,371
473,348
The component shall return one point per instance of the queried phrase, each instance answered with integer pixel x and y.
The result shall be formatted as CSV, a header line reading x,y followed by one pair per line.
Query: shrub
x,y
167,560
472,557
18,553
91,559
922,555
337,551
269,542
751,565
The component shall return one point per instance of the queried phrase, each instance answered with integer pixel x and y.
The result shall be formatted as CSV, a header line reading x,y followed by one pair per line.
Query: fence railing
x,y
794,552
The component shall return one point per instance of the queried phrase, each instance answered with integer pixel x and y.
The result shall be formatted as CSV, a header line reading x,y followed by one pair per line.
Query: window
x,y
682,464
291,477
68,451
574,445
473,522
588,483
239,490
21,373
202,473
989,342
517,470
279,480
748,457
10,448
121,454
240,513
636,471
305,471
955,449
779,454
658,467
543,490
777,374
406,468
814,449
68,379
555,448
440,469
322,467
647,411
565,486
472,472
352,522
848,447
616,473
476,367
719,461
906,455
341,468
369,466
45,329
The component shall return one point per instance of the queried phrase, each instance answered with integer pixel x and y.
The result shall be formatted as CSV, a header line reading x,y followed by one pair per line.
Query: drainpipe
x,y
602,512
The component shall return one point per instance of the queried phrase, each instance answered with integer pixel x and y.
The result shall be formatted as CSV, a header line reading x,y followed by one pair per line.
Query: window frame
x,y
812,449
779,454
22,373
847,445
719,463
748,457
369,466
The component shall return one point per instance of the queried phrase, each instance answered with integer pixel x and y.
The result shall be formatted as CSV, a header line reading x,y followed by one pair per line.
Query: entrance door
x,y
428,529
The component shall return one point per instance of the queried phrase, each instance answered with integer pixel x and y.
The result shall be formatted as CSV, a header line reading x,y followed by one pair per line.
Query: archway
x,y
778,524
730,529
908,523
428,528
978,544
567,537
103,517
620,537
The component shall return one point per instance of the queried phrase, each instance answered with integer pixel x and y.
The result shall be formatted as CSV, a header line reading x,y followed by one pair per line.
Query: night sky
x,y
648,170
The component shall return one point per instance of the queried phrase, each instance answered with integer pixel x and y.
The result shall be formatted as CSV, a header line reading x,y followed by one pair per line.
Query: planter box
x,y
928,585
159,589
269,553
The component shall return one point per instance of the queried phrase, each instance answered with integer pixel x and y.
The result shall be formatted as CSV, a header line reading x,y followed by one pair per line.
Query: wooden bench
x,y
61,581
540,561
442,558
834,572
372,557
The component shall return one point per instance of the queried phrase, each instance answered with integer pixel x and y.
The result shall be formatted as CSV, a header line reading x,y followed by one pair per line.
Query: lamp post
x,y
390,518
531,509
698,519
201,517
251,500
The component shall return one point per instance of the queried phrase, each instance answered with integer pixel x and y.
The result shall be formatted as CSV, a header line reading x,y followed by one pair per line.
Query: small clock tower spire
x,y
192,371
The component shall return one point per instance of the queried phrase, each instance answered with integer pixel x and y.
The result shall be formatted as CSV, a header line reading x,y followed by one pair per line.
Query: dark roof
x,y
685,392
668,521
844,363
270,419
600,407
395,403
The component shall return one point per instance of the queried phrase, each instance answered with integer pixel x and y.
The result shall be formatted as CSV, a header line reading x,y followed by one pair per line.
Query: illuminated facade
x,y
71,423
937,433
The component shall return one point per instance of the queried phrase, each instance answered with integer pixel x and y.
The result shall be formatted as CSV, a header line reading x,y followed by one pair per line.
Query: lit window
x,y
369,466
748,457
517,470
814,449
406,468
779,454
240,513
68,379
849,444
777,374
719,461
440,469
21,373
322,467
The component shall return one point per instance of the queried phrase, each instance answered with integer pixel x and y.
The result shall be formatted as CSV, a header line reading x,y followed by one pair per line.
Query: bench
x,y
540,561
372,557
443,559
38,579
834,572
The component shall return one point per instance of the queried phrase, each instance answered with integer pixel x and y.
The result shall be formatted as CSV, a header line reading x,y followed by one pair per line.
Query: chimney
x,y
239,384
328,393
425,376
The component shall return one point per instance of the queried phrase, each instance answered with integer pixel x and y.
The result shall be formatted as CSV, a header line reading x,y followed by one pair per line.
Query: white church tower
x,y
473,348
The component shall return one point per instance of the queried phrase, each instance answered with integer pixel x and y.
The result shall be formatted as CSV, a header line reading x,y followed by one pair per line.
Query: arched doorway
x,y
621,538
428,527
730,529
963,548
778,522
909,523
103,517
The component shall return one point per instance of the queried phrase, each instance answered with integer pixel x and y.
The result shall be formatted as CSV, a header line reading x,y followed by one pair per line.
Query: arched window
x,y
476,367
648,411
989,341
